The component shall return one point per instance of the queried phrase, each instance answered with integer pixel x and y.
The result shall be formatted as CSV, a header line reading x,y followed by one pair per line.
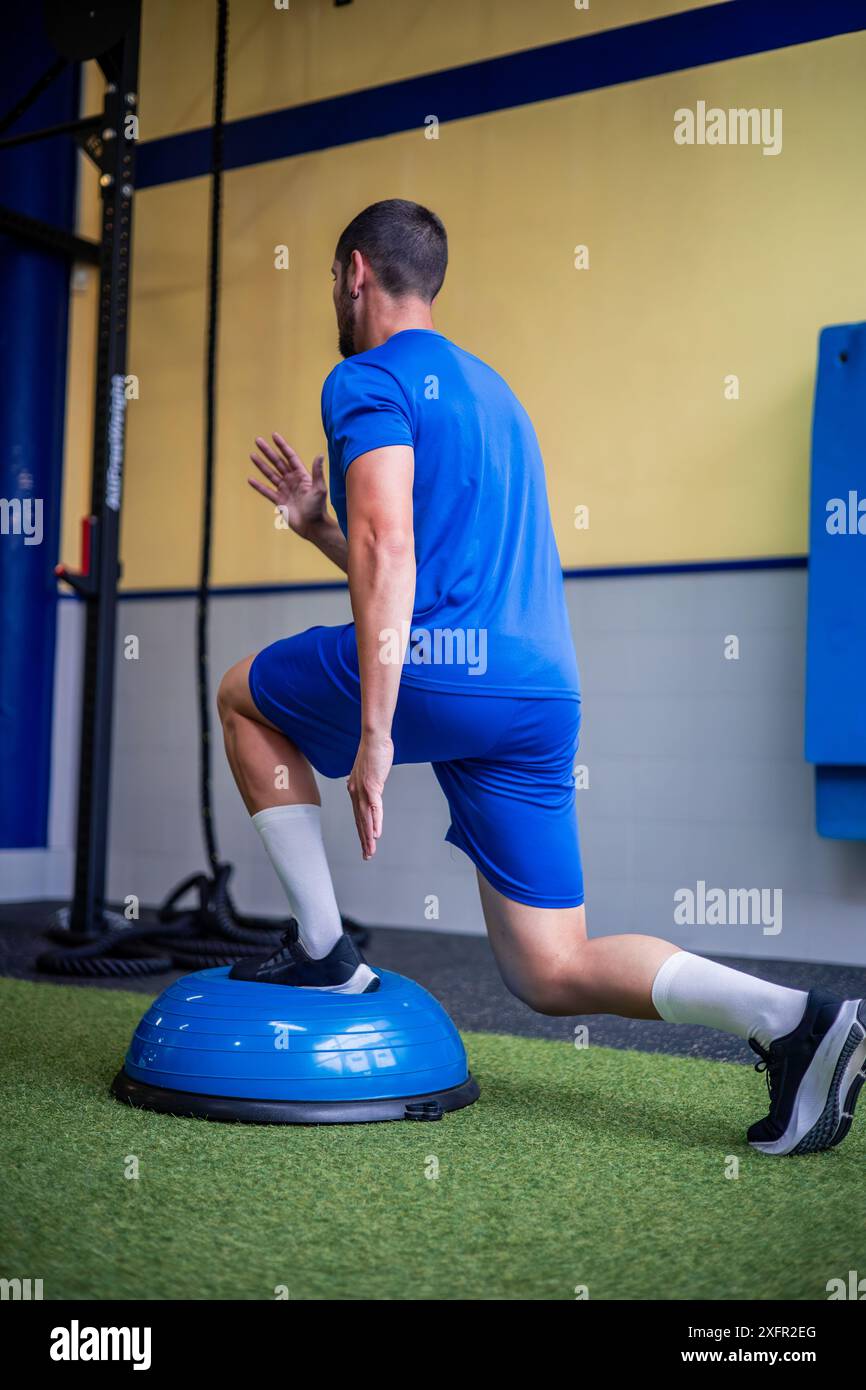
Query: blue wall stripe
x,y
770,562
692,39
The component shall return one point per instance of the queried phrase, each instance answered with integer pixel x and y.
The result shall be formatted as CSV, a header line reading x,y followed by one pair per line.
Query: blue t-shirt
x,y
489,612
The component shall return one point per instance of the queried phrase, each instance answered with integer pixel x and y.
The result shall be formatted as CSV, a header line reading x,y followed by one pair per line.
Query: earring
x,y
356,294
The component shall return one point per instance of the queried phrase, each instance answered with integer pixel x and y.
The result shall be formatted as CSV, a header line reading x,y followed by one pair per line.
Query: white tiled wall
x,y
696,769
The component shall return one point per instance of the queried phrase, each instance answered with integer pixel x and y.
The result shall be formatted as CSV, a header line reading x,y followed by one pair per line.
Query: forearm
x,y
326,536
382,589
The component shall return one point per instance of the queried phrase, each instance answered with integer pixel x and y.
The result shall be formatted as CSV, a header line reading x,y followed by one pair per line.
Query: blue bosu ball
x,y
224,1049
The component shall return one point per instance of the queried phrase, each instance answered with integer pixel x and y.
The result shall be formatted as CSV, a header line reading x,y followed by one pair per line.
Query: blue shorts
x,y
506,764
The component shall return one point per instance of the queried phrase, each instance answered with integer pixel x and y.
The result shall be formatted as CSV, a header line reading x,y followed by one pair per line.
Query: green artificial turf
x,y
590,1167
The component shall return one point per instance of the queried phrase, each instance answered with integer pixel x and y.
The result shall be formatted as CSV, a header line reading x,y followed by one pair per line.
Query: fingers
x,y
318,470
269,473
284,462
365,828
288,453
265,491
359,823
365,819
271,455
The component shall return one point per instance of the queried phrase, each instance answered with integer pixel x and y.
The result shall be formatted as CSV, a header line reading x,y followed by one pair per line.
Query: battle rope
x,y
202,604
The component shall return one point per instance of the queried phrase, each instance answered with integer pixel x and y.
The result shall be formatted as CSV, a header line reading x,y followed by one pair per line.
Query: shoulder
x,y
367,377
482,369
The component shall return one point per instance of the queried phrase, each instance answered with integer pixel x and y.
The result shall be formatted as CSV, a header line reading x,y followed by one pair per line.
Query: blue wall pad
x,y
840,802
38,180
836,637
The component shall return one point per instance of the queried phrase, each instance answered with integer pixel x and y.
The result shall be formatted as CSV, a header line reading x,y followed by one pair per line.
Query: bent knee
x,y
233,693
546,993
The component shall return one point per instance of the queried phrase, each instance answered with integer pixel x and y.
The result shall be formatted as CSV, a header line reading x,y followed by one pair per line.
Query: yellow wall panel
x,y
81,358
314,50
160,527
705,261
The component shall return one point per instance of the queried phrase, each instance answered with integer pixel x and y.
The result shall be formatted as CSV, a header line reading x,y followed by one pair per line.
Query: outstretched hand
x,y
300,494
366,784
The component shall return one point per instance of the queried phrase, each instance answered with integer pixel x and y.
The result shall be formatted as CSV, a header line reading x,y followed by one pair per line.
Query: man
x,y
460,655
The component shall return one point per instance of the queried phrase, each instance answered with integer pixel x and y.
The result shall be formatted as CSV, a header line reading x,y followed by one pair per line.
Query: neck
x,y
388,316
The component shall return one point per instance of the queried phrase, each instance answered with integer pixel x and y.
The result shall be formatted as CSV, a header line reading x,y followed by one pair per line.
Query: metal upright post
x,y
98,585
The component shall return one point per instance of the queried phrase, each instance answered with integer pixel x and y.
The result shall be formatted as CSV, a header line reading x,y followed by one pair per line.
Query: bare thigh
x,y
256,748
234,693
538,949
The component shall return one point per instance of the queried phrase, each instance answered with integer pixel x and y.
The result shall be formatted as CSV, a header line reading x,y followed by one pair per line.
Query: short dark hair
x,y
405,244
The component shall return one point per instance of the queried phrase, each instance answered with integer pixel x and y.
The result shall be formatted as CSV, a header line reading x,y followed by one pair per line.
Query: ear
x,y
357,271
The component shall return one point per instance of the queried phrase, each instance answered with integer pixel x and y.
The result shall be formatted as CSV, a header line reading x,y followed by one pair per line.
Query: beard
x,y
346,324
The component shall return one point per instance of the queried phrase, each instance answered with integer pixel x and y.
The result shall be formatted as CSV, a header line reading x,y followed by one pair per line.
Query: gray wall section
x,y
156,833
695,766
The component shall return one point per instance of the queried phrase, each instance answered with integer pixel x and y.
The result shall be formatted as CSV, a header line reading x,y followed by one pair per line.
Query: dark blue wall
x,y
38,180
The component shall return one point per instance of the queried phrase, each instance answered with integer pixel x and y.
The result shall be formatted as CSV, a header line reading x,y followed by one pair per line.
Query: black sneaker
x,y
814,1075
342,971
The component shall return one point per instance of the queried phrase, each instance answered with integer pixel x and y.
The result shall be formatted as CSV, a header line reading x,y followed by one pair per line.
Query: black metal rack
x,y
110,34
96,941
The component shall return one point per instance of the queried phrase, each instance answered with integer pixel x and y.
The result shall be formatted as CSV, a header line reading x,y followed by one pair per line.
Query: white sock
x,y
292,836
690,989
